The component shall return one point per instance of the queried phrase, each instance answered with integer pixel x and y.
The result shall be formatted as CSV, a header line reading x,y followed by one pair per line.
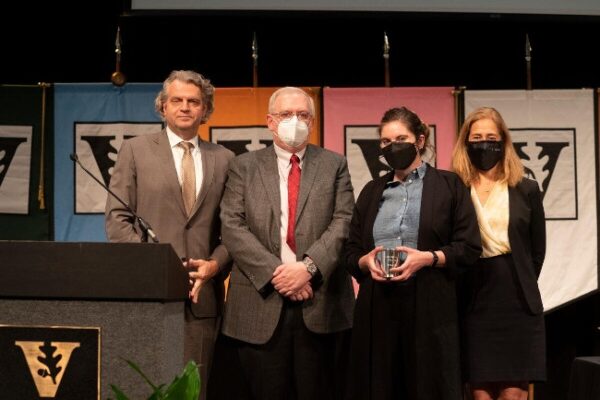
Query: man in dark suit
x,y
175,181
285,213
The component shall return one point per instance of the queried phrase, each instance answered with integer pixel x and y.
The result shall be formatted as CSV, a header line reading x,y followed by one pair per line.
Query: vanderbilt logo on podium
x,y
59,363
47,362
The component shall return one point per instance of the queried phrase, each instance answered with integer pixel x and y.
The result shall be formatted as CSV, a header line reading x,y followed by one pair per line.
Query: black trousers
x,y
393,359
295,364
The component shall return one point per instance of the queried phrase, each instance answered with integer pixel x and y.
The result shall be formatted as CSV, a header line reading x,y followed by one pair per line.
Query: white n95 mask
x,y
292,132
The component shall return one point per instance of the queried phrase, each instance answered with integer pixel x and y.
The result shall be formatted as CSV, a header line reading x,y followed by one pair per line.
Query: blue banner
x,y
92,120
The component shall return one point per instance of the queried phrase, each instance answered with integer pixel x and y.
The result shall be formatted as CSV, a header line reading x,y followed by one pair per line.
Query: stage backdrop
x,y
240,119
554,134
353,114
93,120
24,203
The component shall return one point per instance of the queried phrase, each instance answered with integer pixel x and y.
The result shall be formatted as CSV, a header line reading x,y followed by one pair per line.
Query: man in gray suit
x,y
175,181
286,212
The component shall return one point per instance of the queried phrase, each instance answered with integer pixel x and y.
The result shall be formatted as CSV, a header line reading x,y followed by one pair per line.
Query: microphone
x,y
146,228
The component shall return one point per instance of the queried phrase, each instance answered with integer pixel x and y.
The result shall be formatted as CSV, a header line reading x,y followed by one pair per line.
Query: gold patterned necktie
x,y
188,177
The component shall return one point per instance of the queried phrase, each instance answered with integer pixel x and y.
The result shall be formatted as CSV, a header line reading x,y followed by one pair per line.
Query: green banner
x,y
26,148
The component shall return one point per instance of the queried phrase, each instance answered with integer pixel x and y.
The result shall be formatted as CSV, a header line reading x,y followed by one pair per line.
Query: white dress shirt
x,y
493,218
284,165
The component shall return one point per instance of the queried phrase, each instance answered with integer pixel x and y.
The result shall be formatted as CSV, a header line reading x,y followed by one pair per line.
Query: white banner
x,y
97,145
553,133
241,139
15,167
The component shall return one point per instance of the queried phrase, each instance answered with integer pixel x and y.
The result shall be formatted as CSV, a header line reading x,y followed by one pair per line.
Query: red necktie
x,y
293,189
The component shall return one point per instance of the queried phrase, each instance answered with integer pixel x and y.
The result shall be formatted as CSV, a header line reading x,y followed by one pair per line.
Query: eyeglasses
x,y
304,116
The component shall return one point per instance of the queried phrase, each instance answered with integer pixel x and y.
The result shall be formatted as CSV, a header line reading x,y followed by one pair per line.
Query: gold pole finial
x,y
118,78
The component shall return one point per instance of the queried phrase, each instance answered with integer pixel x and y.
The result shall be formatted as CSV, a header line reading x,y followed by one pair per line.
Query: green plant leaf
x,y
118,393
158,395
186,386
139,371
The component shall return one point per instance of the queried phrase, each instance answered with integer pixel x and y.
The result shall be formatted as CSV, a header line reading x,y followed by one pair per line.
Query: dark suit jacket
x,y
448,222
527,237
145,178
251,217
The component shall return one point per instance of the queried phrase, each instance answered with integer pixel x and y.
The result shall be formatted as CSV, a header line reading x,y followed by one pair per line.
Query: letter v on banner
x,y
47,362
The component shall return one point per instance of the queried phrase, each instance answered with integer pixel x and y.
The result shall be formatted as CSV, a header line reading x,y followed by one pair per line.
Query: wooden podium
x,y
133,292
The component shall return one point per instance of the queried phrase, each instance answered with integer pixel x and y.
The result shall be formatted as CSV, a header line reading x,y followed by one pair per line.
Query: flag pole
x,y
41,184
254,60
118,78
459,110
528,61
386,59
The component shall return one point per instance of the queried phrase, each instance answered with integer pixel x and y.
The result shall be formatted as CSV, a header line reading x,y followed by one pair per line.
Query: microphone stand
x,y
145,226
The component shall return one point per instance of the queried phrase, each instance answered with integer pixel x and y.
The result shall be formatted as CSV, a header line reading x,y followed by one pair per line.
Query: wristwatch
x,y
435,259
310,266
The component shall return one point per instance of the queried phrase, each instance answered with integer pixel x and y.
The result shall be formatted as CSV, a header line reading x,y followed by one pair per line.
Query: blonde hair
x,y
510,168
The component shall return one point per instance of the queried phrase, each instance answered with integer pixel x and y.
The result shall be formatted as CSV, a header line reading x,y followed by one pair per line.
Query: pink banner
x,y
351,117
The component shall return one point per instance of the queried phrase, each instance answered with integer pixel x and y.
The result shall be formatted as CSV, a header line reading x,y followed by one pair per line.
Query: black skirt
x,y
504,341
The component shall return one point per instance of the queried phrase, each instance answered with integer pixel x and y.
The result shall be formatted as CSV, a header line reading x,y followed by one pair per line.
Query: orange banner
x,y
240,118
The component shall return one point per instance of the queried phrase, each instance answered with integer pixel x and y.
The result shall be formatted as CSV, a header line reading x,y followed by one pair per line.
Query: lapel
x,y
309,172
164,155
513,203
427,211
373,208
208,172
269,173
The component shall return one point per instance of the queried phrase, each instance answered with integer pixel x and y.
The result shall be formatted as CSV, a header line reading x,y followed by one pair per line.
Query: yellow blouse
x,y
493,220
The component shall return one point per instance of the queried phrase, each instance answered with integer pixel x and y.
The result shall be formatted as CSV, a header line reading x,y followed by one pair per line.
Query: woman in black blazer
x,y
405,341
504,325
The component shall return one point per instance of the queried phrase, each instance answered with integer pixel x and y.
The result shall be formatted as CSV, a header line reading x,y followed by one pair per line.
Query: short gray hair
x,y
206,89
290,89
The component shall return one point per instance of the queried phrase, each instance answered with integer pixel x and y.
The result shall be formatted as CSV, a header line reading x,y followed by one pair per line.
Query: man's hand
x,y
304,293
200,271
289,278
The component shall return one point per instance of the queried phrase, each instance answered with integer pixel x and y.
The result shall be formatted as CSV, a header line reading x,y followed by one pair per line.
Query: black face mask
x,y
485,154
399,155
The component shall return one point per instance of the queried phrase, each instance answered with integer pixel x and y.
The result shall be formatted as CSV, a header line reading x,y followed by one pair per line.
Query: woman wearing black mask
x,y
405,337
504,326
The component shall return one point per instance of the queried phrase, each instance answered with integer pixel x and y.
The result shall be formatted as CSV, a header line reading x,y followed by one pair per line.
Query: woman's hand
x,y
368,263
414,261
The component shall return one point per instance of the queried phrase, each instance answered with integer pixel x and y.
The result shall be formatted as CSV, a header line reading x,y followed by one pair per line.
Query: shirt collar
x,y
420,171
417,173
174,139
284,155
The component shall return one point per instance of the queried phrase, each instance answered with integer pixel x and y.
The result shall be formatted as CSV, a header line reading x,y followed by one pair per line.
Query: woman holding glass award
x,y
504,324
405,342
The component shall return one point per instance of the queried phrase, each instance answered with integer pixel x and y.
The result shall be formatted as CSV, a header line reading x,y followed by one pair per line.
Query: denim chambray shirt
x,y
397,222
